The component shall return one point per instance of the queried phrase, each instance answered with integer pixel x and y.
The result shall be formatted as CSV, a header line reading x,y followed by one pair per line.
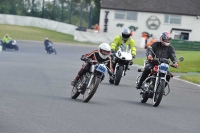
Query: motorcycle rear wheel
x,y
143,97
74,93
157,96
16,48
89,92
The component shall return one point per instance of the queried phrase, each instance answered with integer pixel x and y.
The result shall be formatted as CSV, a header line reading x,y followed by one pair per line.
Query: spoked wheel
x,y
118,75
89,92
157,96
74,93
143,97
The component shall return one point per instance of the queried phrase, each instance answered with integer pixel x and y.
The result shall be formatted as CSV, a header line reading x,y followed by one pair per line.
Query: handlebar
x,y
163,60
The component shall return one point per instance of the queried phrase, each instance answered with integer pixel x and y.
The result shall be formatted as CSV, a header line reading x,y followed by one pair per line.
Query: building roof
x,y
181,7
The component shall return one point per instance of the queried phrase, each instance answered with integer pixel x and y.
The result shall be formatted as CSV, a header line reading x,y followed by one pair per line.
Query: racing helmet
x,y
104,50
165,38
126,33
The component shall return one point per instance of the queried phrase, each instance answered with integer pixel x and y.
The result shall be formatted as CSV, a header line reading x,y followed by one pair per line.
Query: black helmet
x,y
126,33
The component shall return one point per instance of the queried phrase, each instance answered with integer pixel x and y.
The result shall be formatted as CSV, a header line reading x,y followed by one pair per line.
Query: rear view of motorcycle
x,y
51,49
156,85
121,61
88,83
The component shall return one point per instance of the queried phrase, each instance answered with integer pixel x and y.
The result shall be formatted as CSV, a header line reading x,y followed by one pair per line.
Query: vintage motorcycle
x,y
154,85
88,83
121,61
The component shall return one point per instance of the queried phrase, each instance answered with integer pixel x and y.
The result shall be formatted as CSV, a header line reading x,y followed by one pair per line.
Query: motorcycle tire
x,y
118,75
74,93
143,97
89,92
16,48
157,96
55,51
111,81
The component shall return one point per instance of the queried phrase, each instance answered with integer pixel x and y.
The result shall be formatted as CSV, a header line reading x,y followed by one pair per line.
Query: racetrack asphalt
x,y
35,97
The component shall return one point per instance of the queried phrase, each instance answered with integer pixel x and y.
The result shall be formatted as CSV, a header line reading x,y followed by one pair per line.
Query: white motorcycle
x,y
121,61
11,45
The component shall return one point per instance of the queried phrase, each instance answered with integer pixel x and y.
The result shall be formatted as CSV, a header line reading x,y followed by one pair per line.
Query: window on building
x,y
126,15
184,36
172,19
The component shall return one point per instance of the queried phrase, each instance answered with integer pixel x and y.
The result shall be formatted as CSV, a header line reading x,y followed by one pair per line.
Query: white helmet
x,y
104,50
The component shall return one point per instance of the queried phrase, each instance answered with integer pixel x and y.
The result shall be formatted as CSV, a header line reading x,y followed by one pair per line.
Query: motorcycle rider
x,y
124,40
6,40
46,44
100,55
162,49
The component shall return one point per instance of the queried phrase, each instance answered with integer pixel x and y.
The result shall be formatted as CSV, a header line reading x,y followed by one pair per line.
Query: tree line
x,y
84,13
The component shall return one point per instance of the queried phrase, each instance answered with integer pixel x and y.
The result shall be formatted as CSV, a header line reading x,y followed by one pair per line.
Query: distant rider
x,y
162,49
101,55
7,40
46,44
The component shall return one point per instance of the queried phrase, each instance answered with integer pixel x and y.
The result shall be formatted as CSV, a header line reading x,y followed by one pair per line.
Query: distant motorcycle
x,y
121,61
154,85
11,45
51,49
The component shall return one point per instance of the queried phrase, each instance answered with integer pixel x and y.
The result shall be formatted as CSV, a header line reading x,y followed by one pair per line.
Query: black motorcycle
x,y
51,49
11,45
89,82
154,86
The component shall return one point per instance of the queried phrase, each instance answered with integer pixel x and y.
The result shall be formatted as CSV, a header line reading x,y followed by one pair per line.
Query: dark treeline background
x,y
77,12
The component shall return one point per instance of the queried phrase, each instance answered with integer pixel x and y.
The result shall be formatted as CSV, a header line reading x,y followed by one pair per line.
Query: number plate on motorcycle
x,y
101,68
163,68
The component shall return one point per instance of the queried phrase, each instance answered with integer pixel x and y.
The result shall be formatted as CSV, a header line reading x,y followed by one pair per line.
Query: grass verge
x,y
36,34
191,78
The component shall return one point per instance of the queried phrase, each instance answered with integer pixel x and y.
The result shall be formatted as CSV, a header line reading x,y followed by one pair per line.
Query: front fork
x,y
116,66
157,79
90,80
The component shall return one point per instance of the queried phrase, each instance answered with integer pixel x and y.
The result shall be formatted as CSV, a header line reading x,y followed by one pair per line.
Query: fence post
x,y
70,12
90,17
53,11
81,15
42,8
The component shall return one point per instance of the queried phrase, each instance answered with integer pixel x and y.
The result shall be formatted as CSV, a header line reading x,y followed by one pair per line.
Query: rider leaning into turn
x,y
46,44
124,40
6,39
101,55
162,49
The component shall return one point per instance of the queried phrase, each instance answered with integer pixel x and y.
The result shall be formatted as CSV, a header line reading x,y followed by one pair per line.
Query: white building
x,y
180,17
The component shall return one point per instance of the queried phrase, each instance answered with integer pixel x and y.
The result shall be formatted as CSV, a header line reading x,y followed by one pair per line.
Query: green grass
x,y
191,78
36,34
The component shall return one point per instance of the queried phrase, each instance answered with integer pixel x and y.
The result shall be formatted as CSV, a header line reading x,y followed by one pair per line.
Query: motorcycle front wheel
x,y
157,96
89,92
118,75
